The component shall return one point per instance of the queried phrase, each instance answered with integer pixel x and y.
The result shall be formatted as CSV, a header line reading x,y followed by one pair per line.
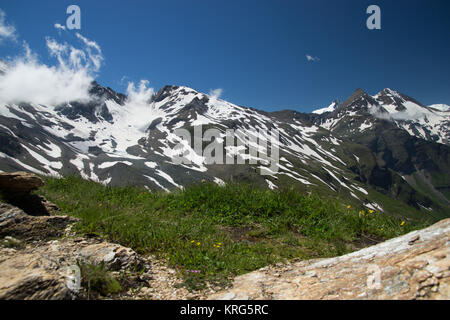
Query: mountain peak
x,y
359,94
330,108
106,93
394,101
163,93
389,91
393,95
169,90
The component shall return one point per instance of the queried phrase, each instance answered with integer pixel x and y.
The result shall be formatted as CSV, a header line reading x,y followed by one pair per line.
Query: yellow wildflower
x,y
349,206
403,222
198,243
370,211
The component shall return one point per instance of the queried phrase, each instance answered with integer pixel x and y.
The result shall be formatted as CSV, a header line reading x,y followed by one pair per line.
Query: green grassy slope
x,y
211,233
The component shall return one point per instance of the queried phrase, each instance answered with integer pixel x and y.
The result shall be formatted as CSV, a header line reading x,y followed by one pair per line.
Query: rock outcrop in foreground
x,y
33,266
16,189
40,257
19,182
413,266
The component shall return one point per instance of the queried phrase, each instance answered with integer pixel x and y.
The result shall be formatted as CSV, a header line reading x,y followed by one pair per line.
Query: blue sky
x,y
255,50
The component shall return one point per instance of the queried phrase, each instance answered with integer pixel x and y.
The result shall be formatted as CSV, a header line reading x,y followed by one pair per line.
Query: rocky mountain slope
x,y
363,149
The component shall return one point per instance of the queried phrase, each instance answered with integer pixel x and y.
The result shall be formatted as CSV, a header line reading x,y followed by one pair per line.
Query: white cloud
x,y
216,93
139,96
89,43
122,80
311,58
29,80
94,51
138,111
59,27
413,113
6,31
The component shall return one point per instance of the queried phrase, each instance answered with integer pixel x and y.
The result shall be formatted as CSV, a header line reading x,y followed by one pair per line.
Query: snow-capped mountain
x,y
330,108
431,123
409,141
115,140
440,107
97,138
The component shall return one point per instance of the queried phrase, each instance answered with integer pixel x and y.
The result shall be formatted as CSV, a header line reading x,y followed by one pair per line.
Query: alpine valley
x,y
386,152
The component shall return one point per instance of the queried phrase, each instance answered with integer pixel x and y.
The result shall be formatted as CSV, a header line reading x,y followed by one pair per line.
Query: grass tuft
x,y
97,280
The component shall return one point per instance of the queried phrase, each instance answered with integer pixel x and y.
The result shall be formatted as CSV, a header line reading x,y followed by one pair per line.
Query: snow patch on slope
x,y
330,108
